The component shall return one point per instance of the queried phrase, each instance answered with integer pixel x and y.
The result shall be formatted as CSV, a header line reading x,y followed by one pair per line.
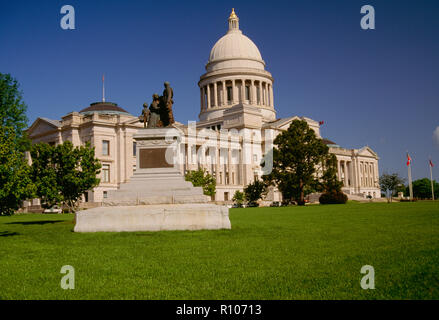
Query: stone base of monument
x,y
157,197
153,218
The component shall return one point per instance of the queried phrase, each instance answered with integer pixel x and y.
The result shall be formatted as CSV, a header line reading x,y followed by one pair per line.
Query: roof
x,y
104,107
328,142
56,123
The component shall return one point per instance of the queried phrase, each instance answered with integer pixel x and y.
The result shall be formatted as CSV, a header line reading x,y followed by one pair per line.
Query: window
x,y
105,194
255,158
226,196
105,147
105,173
134,168
247,92
86,197
134,149
229,94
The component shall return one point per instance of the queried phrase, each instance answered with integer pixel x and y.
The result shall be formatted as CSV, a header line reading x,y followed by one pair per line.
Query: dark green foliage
x,y
13,110
44,175
422,189
238,198
301,164
202,178
15,182
63,173
254,191
333,197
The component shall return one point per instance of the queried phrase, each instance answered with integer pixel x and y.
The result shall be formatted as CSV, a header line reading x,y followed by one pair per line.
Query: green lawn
x,y
313,252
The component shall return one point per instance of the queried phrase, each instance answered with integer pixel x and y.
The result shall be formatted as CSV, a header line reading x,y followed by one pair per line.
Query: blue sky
x,y
371,87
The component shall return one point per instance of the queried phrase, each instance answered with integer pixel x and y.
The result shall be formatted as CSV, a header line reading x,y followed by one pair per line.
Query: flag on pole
x,y
431,163
409,160
321,123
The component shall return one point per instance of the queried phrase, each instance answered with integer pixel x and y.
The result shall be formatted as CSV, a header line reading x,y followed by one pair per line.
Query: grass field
x,y
313,252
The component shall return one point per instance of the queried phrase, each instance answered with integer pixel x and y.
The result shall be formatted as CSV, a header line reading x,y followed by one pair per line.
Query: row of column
x,y
357,173
227,172
368,174
216,94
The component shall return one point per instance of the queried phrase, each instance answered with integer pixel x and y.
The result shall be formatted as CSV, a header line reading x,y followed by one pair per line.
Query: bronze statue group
x,y
159,114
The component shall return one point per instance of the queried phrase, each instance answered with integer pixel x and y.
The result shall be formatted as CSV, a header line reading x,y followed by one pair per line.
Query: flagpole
x,y
410,182
103,88
431,179
409,162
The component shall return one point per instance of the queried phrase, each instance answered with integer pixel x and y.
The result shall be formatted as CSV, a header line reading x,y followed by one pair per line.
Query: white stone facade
x,y
237,112
104,129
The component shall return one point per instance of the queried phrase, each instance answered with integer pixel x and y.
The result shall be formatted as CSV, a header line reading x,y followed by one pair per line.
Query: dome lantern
x,y
233,22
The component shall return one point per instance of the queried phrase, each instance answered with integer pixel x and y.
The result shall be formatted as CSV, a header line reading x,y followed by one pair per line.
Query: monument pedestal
x,y
157,197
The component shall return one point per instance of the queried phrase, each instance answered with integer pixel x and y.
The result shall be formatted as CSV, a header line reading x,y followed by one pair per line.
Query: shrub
x,y
334,197
238,198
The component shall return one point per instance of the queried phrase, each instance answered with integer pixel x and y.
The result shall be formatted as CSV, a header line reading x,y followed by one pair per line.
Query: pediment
x,y
367,152
41,126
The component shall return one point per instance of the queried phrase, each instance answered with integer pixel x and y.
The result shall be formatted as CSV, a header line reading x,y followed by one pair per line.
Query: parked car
x,y
253,204
275,204
54,209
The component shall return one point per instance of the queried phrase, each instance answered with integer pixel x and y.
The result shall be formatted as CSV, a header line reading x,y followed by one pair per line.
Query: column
x,y
253,92
376,171
215,92
208,96
338,170
242,90
260,94
234,92
345,174
271,96
201,99
224,94
266,94
349,178
229,156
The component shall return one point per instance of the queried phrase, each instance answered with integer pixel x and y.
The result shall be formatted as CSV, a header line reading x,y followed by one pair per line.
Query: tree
x,y
301,163
254,191
13,111
422,189
69,172
44,175
330,184
389,183
238,198
202,178
15,181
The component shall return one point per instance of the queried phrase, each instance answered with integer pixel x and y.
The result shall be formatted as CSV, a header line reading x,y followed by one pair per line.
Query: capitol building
x,y
237,107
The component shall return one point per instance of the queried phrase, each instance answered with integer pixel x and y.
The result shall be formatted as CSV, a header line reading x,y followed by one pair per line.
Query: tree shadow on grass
x,y
8,234
25,223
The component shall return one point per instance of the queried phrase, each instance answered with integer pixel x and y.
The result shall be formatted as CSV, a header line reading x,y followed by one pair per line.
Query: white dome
x,y
234,50
234,45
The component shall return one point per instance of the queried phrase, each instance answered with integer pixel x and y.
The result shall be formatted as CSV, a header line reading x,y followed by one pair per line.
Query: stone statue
x,y
167,102
154,109
160,112
145,115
